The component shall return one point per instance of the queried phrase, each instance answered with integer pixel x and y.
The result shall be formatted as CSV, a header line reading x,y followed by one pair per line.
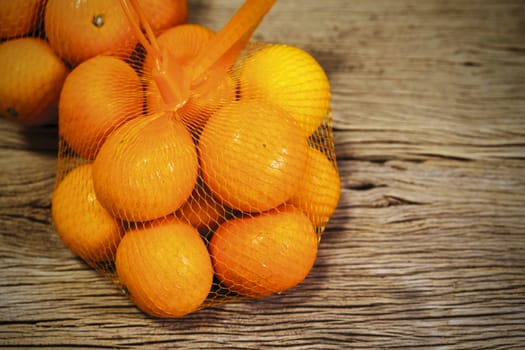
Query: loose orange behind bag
x,y
199,168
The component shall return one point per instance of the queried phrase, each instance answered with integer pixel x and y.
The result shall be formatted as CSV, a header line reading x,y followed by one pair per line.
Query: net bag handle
x,y
174,80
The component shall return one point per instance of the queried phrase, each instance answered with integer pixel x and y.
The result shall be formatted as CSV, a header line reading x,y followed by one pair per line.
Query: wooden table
x,y
427,247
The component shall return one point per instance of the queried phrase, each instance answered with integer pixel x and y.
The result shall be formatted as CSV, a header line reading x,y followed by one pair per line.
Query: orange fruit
x,y
164,14
202,210
78,30
84,226
18,17
146,169
266,254
165,268
183,44
32,76
98,96
319,190
252,155
292,79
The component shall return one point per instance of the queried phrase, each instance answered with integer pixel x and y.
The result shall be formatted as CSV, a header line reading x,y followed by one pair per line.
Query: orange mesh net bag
x,y
195,167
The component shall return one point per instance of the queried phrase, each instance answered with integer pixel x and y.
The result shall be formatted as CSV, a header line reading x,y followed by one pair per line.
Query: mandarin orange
x,y
32,76
79,30
146,169
265,254
252,155
202,210
292,79
18,17
165,268
319,190
183,43
84,226
164,14
98,95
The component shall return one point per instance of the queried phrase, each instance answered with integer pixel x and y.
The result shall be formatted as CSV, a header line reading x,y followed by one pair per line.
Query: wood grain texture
x,y
427,247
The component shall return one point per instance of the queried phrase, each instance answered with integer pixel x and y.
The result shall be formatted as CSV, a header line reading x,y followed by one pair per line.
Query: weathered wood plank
x,y
427,247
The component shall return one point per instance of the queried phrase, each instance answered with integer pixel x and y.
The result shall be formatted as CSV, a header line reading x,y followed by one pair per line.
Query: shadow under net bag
x,y
199,168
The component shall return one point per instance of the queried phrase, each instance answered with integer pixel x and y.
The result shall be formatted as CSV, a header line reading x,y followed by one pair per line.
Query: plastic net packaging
x,y
195,167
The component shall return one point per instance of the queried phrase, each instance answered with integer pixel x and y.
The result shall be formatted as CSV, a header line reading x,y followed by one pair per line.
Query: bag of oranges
x,y
195,167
